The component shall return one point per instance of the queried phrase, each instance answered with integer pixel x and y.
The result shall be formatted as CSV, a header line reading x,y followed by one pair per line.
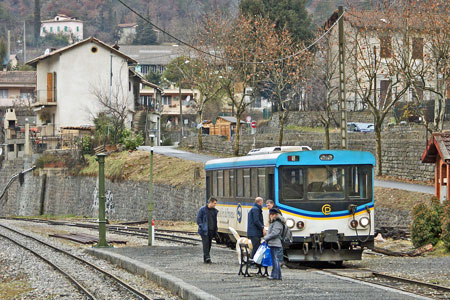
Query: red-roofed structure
x,y
438,152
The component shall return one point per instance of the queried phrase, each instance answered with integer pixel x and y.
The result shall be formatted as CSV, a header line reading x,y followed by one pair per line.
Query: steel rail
x,y
126,230
387,277
159,236
74,282
116,279
412,281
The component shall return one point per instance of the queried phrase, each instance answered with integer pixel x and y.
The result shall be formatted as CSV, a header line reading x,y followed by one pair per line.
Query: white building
x,y
72,81
64,25
127,33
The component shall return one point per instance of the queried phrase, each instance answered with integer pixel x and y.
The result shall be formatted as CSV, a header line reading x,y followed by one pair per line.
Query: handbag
x,y
259,255
267,259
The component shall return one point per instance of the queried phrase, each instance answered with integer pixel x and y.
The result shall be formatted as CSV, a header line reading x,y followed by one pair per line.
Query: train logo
x,y
326,209
239,213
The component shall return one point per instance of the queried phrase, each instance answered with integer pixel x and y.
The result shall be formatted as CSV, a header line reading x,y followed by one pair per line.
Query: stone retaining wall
x,y
312,118
65,195
402,147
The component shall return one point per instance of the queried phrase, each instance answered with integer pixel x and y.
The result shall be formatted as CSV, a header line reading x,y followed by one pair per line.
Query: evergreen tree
x,y
3,52
291,14
153,77
145,35
37,21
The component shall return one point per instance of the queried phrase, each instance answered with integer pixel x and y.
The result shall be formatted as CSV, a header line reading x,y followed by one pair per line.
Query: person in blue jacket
x,y
255,224
207,227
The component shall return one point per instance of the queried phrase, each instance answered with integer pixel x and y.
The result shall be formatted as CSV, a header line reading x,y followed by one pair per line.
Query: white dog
x,y
242,241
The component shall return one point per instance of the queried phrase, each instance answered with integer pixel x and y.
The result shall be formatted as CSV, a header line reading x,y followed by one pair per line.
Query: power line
x,y
235,61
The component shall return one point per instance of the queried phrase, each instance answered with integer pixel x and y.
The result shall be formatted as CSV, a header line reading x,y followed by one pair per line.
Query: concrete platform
x,y
182,271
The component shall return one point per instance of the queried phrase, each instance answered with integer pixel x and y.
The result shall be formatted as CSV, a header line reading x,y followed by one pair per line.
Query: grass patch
x,y
135,166
439,250
399,199
50,217
13,288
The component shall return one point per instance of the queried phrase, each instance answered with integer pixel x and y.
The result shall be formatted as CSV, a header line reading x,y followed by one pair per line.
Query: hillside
x,y
135,166
101,17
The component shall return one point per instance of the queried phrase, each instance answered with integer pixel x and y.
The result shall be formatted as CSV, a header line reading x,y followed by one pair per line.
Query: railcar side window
x,y
360,182
226,181
291,179
247,186
220,183
214,184
326,182
232,183
254,179
262,182
240,183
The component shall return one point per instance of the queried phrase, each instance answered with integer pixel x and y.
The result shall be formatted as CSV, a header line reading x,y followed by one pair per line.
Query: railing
x,y
43,97
14,177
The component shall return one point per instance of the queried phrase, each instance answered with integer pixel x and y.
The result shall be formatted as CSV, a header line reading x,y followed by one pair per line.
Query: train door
x,y
271,183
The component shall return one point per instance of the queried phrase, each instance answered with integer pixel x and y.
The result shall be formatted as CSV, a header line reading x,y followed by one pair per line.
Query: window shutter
x,y
49,87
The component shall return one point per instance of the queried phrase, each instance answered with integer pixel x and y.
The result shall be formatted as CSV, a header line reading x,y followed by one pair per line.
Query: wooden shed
x,y
225,126
438,153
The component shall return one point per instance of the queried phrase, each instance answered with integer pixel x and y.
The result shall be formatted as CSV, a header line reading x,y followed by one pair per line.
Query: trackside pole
x,y
101,203
151,222
153,232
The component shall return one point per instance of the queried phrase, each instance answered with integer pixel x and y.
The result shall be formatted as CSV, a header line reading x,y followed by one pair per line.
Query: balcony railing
x,y
44,97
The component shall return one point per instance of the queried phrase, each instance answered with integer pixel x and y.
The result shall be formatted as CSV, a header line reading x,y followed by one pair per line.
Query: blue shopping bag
x,y
259,255
267,259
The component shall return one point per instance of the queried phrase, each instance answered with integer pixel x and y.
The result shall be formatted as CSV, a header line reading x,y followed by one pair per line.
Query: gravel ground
x,y
21,271
430,267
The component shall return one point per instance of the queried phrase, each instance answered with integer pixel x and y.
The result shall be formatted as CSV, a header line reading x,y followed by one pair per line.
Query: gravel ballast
x,y
37,280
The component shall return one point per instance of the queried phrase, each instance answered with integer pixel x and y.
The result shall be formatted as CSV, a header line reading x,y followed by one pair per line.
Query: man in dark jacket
x,y
255,225
207,227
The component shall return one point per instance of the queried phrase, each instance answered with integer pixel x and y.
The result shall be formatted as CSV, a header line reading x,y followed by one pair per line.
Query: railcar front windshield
x,y
312,183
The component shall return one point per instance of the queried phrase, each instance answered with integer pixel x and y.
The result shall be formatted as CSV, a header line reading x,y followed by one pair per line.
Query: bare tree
x,y
115,104
385,65
323,75
286,66
429,28
241,46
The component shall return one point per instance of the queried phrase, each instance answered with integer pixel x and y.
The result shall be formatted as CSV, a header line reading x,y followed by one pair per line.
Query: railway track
x,y
91,281
160,234
420,288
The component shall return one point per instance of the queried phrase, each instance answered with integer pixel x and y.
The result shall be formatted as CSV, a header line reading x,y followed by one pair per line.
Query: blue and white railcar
x,y
326,197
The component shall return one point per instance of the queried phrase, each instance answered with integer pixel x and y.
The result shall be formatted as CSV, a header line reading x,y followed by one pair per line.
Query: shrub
x,y
167,142
446,226
130,140
426,227
85,145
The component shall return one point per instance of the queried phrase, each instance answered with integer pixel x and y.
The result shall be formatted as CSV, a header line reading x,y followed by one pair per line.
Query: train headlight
x,y
354,224
290,223
300,225
364,222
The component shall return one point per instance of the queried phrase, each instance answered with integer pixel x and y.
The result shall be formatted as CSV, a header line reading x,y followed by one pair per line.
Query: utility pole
x,y
342,100
375,76
181,109
24,43
101,202
151,205
110,80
